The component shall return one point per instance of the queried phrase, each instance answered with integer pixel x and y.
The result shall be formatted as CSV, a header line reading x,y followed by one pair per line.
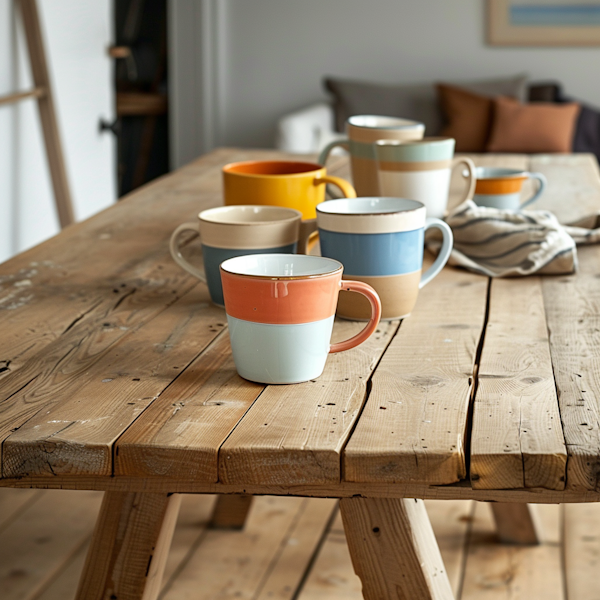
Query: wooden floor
x,y
294,548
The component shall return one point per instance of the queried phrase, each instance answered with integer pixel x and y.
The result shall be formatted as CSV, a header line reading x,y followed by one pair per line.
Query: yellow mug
x,y
292,184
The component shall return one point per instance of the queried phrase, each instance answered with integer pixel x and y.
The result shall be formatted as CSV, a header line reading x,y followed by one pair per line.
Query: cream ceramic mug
x,y
363,131
230,231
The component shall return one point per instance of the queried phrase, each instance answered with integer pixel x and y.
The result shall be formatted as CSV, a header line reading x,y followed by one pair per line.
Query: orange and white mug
x,y
501,188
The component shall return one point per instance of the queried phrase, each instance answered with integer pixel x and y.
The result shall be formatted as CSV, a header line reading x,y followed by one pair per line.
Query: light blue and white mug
x,y
380,242
230,231
421,170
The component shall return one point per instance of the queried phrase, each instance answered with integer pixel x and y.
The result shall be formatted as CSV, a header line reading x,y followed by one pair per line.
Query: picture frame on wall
x,y
544,22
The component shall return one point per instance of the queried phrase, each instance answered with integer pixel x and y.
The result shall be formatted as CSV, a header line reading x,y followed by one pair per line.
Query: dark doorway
x,y
142,126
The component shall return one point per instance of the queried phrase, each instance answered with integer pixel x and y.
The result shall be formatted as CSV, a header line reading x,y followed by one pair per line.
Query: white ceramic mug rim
x,y
416,205
400,123
500,173
437,139
336,266
206,215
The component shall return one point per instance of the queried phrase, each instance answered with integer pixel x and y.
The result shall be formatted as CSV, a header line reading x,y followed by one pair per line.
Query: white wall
x,y
76,35
274,54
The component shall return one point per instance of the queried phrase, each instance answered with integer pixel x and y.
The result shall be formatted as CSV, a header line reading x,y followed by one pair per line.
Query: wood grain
x,y
393,549
295,433
414,425
572,305
98,403
517,438
180,434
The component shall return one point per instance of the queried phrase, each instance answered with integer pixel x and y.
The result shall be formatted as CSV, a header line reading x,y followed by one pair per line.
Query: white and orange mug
x,y
280,311
501,188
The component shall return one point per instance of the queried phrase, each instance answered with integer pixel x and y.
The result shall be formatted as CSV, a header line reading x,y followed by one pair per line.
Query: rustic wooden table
x,y
116,375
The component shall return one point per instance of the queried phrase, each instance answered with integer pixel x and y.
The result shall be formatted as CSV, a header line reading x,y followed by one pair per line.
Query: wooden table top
x,y
114,367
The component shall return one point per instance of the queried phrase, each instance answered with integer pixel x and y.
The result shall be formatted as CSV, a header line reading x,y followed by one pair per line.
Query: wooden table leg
x,y
394,550
230,511
130,545
516,523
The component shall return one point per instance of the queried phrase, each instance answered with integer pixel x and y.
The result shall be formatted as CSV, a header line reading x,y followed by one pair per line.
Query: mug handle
x,y
470,174
307,237
176,254
444,255
371,295
542,186
327,150
345,187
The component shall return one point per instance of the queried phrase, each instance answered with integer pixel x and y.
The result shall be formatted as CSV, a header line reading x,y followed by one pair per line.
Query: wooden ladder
x,y
42,92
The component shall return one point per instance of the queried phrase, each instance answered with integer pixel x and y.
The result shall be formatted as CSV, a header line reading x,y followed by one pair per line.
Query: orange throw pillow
x,y
535,127
468,117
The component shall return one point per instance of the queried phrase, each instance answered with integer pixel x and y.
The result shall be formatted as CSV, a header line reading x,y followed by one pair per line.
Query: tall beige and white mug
x,y
363,131
421,170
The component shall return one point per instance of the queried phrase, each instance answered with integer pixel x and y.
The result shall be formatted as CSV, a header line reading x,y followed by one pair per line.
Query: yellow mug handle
x,y
345,187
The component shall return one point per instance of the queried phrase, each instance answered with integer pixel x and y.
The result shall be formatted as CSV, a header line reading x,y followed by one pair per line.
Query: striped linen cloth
x,y
500,243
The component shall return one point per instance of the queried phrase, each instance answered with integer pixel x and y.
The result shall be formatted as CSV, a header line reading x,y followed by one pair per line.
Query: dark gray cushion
x,y
416,101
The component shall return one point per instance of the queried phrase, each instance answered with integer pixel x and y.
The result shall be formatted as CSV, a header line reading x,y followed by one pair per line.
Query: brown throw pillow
x,y
535,127
468,117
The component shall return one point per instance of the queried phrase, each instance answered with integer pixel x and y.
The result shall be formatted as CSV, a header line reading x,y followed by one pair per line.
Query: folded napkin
x,y
501,243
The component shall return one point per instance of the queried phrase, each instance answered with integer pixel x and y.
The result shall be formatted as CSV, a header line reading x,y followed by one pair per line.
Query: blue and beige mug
x,y
230,231
380,242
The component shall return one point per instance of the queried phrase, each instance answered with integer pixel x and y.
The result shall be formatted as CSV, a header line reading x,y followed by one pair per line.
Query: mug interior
x,y
271,167
498,173
381,122
249,214
368,206
277,266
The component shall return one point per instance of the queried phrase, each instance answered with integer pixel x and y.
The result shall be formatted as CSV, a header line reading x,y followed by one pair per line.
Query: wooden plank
x,y
295,433
393,549
573,314
231,511
414,424
269,555
459,491
179,435
128,553
295,556
36,544
13,502
517,438
332,576
516,523
104,395
499,571
582,550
